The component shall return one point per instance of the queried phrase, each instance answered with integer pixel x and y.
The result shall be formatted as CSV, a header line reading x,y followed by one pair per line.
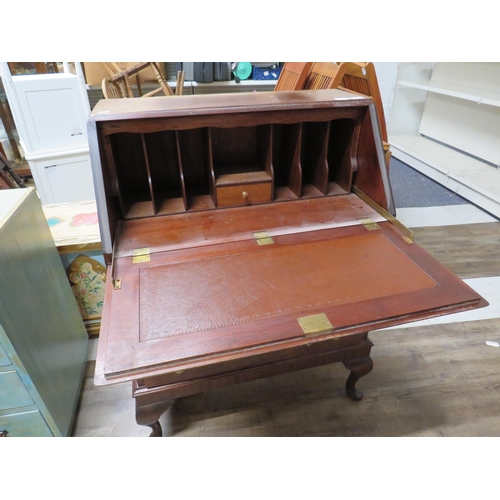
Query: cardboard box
x,y
95,72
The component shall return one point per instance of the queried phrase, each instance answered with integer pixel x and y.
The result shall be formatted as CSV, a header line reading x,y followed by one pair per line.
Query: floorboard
x,y
439,380
469,250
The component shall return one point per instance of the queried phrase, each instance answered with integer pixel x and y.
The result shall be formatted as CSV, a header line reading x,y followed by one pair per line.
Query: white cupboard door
x,y
70,182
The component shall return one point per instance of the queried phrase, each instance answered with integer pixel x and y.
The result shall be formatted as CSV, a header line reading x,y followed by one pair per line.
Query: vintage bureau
x,y
249,235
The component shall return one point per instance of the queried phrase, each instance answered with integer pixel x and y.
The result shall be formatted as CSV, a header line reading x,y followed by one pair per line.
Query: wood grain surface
x,y
124,356
471,250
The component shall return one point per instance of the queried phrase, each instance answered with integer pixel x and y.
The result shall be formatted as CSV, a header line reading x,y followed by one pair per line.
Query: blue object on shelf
x,y
266,73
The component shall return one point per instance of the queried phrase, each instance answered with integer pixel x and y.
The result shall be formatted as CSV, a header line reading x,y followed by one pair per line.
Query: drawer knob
x,y
244,194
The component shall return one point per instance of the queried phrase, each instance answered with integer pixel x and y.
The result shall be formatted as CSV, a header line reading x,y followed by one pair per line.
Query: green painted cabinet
x,y
43,341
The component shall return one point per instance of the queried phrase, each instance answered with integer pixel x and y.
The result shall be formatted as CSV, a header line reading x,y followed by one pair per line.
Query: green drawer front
x,y
4,359
30,424
13,394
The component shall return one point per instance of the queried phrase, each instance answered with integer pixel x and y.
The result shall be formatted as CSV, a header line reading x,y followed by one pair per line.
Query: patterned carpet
x,y
413,189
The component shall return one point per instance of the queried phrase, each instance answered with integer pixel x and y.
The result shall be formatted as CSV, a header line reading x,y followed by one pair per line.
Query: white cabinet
x,y
445,122
50,112
63,178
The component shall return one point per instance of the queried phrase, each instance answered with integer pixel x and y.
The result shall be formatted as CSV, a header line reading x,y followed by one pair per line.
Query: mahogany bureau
x,y
248,235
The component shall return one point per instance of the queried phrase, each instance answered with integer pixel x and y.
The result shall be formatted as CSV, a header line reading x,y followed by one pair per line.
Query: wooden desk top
x,y
197,305
189,105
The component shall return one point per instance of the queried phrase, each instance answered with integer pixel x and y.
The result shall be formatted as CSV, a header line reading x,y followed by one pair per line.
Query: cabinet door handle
x,y
51,166
3,433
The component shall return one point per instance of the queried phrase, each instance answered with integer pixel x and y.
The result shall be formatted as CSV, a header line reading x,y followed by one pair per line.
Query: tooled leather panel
x,y
272,281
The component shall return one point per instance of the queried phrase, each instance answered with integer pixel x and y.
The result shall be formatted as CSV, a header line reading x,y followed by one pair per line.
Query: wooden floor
x,y
434,380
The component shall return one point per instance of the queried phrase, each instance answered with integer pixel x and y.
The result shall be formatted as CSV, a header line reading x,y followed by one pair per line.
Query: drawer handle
x,y
3,433
244,194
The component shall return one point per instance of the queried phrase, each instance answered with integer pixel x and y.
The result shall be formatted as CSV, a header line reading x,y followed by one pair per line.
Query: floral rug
x,y
88,279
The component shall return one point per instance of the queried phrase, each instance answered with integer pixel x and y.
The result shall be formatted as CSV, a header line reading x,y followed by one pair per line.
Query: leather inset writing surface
x,y
272,281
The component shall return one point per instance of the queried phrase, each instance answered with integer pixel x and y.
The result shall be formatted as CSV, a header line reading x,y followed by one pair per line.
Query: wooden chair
x,y
5,180
293,76
361,77
8,178
322,76
179,84
120,81
8,122
113,90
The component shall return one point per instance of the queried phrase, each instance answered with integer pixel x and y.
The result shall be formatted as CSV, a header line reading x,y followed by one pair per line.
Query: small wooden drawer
x,y
234,190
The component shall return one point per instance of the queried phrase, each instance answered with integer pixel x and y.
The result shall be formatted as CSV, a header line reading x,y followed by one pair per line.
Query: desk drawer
x,y
243,194
29,424
13,394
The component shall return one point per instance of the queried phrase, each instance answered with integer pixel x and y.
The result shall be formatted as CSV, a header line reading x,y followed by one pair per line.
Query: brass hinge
x,y
315,324
369,224
263,238
406,233
117,284
141,255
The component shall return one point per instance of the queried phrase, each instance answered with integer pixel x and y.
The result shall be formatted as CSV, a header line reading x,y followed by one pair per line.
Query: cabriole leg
x,y
359,368
149,415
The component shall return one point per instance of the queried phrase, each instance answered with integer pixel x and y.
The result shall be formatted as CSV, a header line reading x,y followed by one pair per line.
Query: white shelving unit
x,y
468,94
445,122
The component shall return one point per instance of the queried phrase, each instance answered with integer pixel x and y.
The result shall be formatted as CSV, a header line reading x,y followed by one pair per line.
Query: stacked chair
x,y
293,76
323,75
356,77
118,84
